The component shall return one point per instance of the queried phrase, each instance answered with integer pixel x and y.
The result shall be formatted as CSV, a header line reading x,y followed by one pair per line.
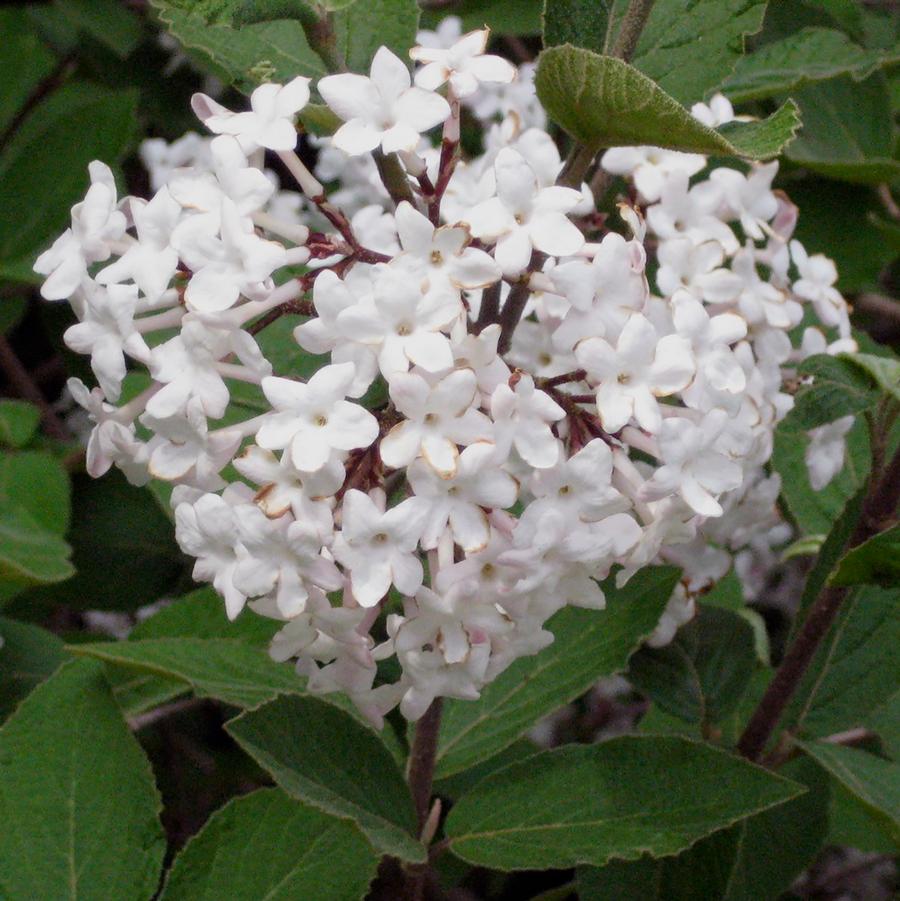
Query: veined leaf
x,y
604,102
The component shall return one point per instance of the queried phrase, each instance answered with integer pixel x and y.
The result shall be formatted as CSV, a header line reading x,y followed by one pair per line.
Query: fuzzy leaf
x,y
604,102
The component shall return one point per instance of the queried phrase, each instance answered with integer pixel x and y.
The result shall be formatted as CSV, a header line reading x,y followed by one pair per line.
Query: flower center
x,y
379,538
436,258
404,329
321,420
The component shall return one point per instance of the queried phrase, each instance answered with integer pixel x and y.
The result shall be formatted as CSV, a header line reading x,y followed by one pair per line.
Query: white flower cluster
x,y
545,414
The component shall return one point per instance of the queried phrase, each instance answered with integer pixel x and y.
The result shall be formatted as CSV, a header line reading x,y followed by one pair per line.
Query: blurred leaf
x,y
689,47
755,860
113,24
816,511
809,55
883,369
838,389
583,804
124,548
702,674
603,102
241,854
588,644
19,421
856,669
78,123
30,553
875,562
370,24
24,62
852,824
514,17
221,668
848,130
873,780
581,23
81,795
28,656
836,220
455,785
321,755
37,482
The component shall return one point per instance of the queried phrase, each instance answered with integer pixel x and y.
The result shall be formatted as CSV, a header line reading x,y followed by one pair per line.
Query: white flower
x,y
403,324
313,420
270,121
282,557
651,167
523,216
816,283
459,501
580,486
680,609
438,418
630,376
184,450
64,265
440,255
825,452
718,111
382,109
208,531
464,64
692,465
379,548
224,269
150,261
522,418
96,220
107,333
711,338
283,488
749,198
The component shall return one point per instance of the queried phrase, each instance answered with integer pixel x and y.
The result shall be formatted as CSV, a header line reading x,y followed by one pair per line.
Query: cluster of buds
x,y
510,408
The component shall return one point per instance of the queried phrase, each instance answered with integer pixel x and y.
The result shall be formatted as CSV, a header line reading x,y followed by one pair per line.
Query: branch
x,y
633,23
879,505
24,386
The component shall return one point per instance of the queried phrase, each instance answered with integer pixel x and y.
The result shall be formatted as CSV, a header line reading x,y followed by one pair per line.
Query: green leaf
x,y
884,370
757,859
221,668
875,562
24,62
36,482
368,25
201,614
873,780
321,755
81,795
111,23
275,51
78,123
701,676
28,656
809,55
689,47
124,548
856,669
29,553
828,555
581,23
837,219
838,389
853,825
847,130
604,102
19,422
587,646
242,854
816,511
583,804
